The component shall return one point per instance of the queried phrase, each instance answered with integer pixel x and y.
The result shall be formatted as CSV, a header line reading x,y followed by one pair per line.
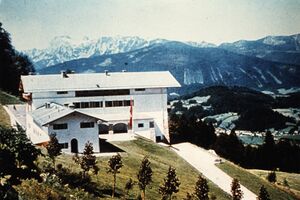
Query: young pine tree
x,y
272,177
115,164
201,189
88,160
53,148
128,186
236,191
171,184
144,176
263,194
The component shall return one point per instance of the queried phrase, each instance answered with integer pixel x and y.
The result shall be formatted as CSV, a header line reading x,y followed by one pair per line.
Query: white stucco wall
x,y
151,102
83,135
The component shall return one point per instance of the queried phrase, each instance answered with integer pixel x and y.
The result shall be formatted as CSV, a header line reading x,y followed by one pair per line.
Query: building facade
x,y
81,107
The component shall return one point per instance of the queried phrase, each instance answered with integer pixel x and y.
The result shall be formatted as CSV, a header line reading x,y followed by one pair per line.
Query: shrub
x,y
272,177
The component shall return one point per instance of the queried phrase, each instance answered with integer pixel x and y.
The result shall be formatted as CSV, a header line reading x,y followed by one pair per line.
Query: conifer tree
x,y
263,194
236,191
144,176
115,164
272,177
128,186
171,184
88,160
53,148
201,189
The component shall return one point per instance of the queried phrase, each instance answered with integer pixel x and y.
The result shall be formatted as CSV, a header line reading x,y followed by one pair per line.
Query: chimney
x,y
106,72
64,74
47,105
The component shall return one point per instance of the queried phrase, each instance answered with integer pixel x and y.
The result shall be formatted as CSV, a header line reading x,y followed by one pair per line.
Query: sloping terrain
x,y
284,49
192,66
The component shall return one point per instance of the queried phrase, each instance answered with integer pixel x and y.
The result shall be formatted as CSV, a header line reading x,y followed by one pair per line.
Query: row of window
x,y
91,93
99,104
141,125
92,125
65,125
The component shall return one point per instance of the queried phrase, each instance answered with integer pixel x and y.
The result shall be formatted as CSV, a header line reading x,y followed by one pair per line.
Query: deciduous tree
x,y
17,159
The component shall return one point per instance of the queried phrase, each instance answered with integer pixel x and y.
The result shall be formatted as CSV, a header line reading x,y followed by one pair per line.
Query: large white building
x,y
81,107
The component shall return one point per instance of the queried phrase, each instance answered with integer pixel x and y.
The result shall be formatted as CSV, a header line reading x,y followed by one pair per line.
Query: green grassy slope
x,y
293,180
160,157
253,182
6,98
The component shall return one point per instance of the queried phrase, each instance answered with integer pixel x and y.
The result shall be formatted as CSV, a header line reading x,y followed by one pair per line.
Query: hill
x,y
134,151
192,66
6,98
254,182
238,107
273,48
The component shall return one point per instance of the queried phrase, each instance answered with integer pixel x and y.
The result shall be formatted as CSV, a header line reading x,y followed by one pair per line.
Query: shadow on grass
x,y
77,180
106,147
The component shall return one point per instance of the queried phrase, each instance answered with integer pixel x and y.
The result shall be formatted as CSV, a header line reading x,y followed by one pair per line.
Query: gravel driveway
x,y
204,162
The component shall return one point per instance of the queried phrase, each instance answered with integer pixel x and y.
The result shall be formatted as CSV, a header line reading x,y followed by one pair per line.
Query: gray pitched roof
x,y
45,115
99,81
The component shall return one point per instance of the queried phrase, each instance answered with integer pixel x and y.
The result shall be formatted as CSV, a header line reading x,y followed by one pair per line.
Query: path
x,y
204,162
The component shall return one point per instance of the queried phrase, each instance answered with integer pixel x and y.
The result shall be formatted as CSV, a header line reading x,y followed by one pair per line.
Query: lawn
x,y
293,180
160,157
253,182
4,118
6,98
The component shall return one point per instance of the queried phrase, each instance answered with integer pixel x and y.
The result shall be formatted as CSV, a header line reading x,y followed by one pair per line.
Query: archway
x,y
103,129
74,146
120,128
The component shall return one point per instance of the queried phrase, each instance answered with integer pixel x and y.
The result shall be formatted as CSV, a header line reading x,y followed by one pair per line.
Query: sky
x,y
33,23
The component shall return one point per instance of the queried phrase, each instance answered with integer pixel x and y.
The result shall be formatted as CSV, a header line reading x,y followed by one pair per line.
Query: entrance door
x,y
74,146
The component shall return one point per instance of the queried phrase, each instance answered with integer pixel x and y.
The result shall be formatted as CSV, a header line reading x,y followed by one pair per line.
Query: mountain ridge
x,y
192,65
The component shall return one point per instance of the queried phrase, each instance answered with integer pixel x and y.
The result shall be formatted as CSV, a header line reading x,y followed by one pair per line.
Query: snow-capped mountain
x,y
192,66
65,48
285,49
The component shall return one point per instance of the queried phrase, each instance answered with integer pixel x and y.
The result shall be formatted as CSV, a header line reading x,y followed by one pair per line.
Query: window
x,y
62,92
140,125
139,89
108,104
127,102
60,126
76,104
64,145
117,103
91,93
87,124
84,105
93,104
151,124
